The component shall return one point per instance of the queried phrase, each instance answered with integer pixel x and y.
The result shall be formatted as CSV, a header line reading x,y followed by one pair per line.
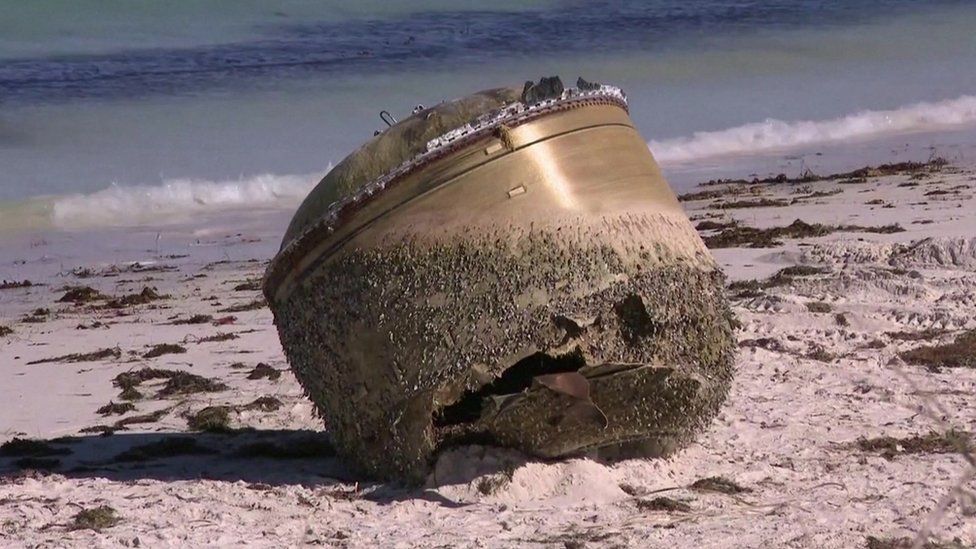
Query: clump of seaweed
x,y
751,237
101,354
929,333
908,543
41,314
222,336
185,383
664,504
195,319
263,371
917,170
248,286
721,485
820,353
767,343
758,203
147,295
81,294
264,404
96,518
113,408
709,225
961,353
819,307
151,417
5,331
703,195
213,419
164,349
136,377
243,307
12,284
164,448
754,288
951,441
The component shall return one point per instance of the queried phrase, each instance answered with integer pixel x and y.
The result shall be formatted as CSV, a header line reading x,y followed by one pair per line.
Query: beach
x,y
152,157
153,383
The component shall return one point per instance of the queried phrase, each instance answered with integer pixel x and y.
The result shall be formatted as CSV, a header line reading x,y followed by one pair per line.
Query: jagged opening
x,y
515,379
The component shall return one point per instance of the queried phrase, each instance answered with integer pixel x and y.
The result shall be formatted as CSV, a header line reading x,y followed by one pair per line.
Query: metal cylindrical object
x,y
527,280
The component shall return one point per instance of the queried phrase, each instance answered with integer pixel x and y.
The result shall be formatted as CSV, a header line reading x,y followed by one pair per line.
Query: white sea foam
x,y
773,134
178,199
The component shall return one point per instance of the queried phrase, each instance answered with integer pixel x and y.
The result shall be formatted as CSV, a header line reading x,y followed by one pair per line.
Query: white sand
x,y
787,432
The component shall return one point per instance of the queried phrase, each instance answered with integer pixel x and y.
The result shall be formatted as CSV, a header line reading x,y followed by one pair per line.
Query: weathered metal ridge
x,y
509,116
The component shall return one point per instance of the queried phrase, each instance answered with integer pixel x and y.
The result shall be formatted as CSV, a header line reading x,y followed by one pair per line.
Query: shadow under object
x,y
509,268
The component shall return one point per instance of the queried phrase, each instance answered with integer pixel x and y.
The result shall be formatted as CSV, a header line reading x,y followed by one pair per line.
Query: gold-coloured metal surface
x,y
580,163
535,285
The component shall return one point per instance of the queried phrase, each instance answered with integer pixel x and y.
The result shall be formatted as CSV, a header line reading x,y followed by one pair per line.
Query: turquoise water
x,y
138,112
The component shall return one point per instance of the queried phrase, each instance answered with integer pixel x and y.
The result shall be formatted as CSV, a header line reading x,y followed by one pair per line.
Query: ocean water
x,y
139,113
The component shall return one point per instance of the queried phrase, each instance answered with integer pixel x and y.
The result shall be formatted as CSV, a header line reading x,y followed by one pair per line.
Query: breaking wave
x,y
773,134
178,199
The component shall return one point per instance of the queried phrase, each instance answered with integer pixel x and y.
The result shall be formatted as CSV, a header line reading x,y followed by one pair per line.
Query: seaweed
x,y
664,504
751,237
929,333
264,404
12,284
41,314
101,354
248,285
820,353
5,331
81,294
164,349
195,319
909,543
951,441
147,295
702,195
961,353
767,343
97,519
918,170
113,408
709,225
184,383
243,307
152,417
262,370
819,307
721,485
222,336
758,203
214,419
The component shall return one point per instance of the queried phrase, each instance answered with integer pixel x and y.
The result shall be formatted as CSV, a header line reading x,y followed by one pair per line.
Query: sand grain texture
x,y
780,467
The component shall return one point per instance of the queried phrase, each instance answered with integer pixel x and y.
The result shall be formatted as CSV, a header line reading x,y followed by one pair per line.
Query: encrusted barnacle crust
x,y
384,339
525,279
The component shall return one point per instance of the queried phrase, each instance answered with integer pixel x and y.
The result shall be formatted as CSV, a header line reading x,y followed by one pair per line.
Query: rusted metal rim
x,y
342,211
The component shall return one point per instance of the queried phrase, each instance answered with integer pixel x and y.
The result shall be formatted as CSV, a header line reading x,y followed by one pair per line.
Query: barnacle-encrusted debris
x,y
430,305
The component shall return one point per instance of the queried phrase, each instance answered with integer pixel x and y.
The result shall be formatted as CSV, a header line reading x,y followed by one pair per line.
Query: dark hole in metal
x,y
515,379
